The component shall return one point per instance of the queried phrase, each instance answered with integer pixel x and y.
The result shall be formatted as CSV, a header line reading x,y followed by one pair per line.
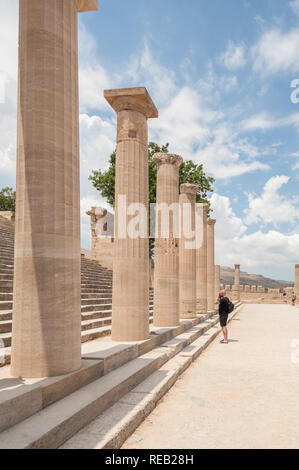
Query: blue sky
x,y
220,73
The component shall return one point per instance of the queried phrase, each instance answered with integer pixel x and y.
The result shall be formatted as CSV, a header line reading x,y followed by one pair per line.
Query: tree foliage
x,y
190,172
7,199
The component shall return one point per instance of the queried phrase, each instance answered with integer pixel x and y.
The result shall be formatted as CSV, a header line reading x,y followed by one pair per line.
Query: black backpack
x,y
230,307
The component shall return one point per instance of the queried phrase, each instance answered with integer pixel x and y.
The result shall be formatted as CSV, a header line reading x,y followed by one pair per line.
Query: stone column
x,y
102,236
201,267
211,265
166,278
217,281
46,331
296,284
130,299
236,286
187,255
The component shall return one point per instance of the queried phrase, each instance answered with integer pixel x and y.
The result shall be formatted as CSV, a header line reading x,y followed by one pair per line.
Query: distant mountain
x,y
227,277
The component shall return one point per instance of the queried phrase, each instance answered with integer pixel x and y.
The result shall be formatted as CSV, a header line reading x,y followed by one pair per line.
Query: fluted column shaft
x,y
166,279
211,265
187,255
296,283
201,266
217,281
46,333
236,286
130,297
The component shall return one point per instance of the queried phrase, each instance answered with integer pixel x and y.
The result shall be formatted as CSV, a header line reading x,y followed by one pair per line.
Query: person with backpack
x,y
225,307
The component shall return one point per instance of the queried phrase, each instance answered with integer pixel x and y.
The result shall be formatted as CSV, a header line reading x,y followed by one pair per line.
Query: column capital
x,y
205,208
190,189
237,265
87,5
297,266
211,221
161,158
132,99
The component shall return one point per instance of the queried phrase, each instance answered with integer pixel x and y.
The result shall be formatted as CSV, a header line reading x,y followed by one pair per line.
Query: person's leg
x,y
223,321
224,331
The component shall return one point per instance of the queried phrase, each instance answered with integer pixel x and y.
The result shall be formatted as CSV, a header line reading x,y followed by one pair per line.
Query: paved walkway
x,y
240,395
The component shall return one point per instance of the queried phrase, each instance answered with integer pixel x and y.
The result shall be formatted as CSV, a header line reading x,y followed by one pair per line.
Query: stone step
x,y
5,326
51,426
93,295
94,287
6,305
115,425
6,277
96,323
5,341
96,301
6,296
6,270
5,315
93,307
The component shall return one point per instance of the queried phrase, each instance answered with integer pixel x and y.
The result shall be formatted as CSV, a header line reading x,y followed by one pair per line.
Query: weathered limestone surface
x,y
187,255
166,279
236,286
210,265
296,286
87,5
9,215
102,239
46,318
130,314
201,266
217,280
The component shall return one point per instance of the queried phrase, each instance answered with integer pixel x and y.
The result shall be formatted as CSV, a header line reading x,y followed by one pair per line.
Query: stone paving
x,y
240,395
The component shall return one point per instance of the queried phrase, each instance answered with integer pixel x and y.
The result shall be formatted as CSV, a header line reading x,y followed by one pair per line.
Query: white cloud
x,y
276,52
270,253
271,207
295,6
234,56
266,121
8,75
228,224
145,70
93,78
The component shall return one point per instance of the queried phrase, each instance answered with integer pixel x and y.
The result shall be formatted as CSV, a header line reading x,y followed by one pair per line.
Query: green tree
x,y
7,199
190,172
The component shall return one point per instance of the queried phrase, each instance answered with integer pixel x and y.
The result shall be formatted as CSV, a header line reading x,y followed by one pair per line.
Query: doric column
x,y
187,254
296,284
46,332
130,299
166,278
201,266
236,286
211,265
217,281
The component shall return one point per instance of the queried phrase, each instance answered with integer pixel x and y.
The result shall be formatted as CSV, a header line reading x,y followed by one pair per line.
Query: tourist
x,y
294,299
223,303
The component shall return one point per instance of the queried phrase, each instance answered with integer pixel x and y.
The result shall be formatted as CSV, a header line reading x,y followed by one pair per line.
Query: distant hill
x,y
227,277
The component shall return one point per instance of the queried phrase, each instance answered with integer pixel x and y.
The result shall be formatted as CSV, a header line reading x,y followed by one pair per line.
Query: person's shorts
x,y
223,319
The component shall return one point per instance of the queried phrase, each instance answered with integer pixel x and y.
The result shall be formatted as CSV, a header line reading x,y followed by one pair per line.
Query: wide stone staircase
x,y
96,294
118,385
